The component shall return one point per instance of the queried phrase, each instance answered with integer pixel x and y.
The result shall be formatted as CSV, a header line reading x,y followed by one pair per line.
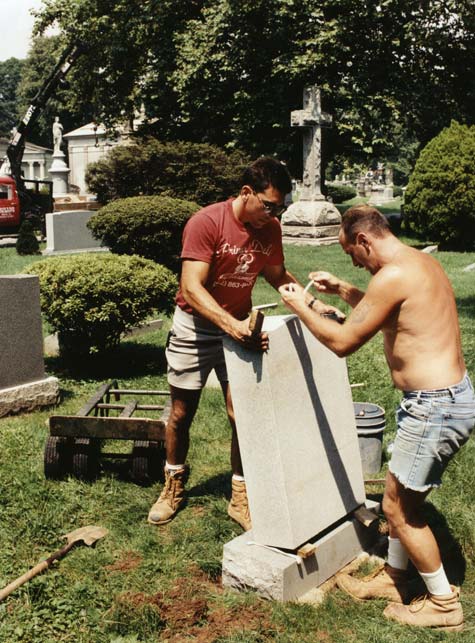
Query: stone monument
x,y
382,192
59,171
311,215
298,441
23,384
67,232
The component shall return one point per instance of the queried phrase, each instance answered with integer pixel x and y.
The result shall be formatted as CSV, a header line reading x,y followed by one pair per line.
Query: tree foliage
x,y
440,197
229,72
190,171
42,57
10,75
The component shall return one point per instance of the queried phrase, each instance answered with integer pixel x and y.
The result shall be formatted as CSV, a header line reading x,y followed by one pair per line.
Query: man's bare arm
x,y
278,276
331,285
194,275
366,319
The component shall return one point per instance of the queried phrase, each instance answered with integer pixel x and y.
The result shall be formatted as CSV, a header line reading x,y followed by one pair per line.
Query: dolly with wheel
x,y
74,443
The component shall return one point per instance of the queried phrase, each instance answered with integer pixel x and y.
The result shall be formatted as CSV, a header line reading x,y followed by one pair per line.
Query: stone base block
x,y
280,575
312,232
27,397
311,213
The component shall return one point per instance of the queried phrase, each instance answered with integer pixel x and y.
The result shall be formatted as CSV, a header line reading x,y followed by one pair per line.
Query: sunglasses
x,y
274,209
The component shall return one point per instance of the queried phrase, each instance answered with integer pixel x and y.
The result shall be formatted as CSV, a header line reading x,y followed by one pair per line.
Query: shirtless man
x,y
409,299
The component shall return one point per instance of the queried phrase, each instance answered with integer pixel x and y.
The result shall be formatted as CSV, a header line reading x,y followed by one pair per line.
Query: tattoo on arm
x,y
360,313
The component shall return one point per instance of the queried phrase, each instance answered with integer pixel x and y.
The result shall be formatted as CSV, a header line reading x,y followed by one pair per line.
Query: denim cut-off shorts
x,y
194,349
431,428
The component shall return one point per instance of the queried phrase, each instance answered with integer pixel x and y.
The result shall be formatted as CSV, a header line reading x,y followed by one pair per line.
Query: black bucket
x,y
370,424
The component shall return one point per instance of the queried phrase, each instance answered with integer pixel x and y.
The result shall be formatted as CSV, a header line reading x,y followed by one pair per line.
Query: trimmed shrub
x,y
27,243
439,202
340,193
190,171
149,226
90,300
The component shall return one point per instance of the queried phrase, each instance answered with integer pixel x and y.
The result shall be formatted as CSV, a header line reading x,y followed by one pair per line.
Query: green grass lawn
x,y
143,583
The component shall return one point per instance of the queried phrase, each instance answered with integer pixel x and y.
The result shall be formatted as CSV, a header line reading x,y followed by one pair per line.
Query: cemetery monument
x,y
23,383
59,171
311,215
298,441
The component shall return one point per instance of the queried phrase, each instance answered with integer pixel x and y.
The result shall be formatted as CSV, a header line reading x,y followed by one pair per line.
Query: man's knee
x,y
184,406
392,510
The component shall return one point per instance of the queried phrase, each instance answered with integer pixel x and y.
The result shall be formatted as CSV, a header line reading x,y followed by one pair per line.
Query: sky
x,y
17,24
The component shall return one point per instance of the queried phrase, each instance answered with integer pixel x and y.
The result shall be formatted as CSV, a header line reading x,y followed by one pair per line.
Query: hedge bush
x,y
190,171
27,243
340,193
90,300
148,226
439,202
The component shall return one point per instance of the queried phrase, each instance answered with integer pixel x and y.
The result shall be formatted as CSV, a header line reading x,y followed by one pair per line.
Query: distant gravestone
x,y
68,232
23,384
311,211
299,448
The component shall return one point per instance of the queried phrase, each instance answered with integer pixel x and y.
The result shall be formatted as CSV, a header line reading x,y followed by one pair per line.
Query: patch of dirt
x,y
190,613
127,562
222,622
198,511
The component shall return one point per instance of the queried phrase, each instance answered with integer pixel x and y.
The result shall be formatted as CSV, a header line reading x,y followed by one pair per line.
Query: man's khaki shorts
x,y
194,348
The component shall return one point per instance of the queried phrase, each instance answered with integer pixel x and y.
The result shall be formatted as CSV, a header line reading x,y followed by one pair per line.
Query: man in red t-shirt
x,y
225,247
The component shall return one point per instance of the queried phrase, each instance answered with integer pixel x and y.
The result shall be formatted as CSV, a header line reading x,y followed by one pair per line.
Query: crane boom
x,y
16,146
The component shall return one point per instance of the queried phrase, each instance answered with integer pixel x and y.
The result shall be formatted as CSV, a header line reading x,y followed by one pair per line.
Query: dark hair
x,y
363,218
267,171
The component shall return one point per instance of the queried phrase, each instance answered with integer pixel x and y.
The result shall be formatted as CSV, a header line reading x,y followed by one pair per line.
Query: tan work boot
x,y
238,508
385,582
439,612
171,498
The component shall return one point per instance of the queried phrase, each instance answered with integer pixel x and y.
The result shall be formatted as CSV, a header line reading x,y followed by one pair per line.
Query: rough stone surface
x,y
311,213
297,434
313,232
306,241
67,231
28,397
275,575
21,339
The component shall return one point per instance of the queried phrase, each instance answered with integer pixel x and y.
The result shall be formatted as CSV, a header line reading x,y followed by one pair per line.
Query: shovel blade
x,y
88,535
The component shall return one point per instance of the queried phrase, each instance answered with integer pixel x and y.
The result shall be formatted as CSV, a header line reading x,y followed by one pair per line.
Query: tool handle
x,y
34,571
256,321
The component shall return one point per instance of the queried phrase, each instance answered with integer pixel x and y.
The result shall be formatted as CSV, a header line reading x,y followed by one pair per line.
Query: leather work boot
x,y
438,612
384,582
172,497
238,508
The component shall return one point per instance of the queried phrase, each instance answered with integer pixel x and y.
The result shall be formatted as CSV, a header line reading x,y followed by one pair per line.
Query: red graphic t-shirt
x,y
236,253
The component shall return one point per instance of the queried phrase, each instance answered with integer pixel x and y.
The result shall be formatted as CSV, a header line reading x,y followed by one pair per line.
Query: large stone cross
x,y
312,119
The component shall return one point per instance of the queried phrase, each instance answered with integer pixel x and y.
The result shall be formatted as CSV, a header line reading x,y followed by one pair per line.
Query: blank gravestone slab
x,y
21,338
297,434
68,231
